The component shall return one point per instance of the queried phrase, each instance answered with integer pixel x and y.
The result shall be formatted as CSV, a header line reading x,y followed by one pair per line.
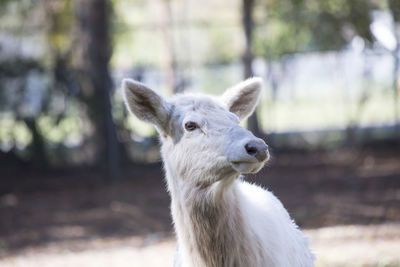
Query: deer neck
x,y
208,221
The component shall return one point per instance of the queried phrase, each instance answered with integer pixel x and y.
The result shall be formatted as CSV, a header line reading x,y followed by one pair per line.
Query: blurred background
x,y
81,182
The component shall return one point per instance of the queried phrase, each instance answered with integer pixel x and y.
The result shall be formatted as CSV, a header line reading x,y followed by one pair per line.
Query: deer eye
x,y
191,126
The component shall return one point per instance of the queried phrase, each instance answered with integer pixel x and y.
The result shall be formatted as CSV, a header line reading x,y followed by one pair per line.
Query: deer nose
x,y
258,149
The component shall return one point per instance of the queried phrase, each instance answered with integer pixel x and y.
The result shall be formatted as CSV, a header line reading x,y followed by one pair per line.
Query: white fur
x,y
281,239
220,220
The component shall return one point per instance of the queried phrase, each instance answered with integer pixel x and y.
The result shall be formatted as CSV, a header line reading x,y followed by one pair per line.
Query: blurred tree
x,y
394,7
15,74
95,51
296,26
167,28
19,69
248,25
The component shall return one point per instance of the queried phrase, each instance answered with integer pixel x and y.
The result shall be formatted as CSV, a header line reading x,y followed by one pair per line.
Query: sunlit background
x,y
81,180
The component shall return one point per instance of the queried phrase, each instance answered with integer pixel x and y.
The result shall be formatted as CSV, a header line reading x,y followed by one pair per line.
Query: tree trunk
x,y
39,157
168,36
94,42
396,85
248,6
394,6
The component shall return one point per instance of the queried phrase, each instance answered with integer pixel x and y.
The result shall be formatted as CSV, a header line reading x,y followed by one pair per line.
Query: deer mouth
x,y
247,166
249,163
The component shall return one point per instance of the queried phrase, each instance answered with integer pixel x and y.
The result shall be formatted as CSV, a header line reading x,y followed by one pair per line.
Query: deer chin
x,y
247,166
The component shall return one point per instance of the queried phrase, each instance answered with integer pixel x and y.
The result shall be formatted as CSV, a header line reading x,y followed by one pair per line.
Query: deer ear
x,y
243,98
146,104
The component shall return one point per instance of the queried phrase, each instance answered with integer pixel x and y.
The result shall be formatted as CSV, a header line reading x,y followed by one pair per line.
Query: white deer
x,y
220,220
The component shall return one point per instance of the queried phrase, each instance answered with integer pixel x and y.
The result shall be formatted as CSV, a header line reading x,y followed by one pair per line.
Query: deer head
x,y
201,136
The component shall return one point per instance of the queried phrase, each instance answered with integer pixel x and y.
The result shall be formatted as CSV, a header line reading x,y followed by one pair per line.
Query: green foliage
x,y
18,67
14,69
279,38
66,129
221,46
312,25
60,25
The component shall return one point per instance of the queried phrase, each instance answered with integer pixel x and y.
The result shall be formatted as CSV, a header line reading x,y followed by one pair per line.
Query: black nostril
x,y
251,149
257,149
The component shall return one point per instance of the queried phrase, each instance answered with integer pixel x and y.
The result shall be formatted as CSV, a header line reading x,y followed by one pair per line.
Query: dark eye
x,y
191,126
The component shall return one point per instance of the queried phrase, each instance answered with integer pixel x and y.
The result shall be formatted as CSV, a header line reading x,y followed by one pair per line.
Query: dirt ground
x,y
348,202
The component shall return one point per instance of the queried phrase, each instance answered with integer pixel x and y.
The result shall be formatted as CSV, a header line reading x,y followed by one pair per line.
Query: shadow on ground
x,y
319,189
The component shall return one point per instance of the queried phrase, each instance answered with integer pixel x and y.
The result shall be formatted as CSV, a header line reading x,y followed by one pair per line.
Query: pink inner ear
x,y
242,98
146,104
